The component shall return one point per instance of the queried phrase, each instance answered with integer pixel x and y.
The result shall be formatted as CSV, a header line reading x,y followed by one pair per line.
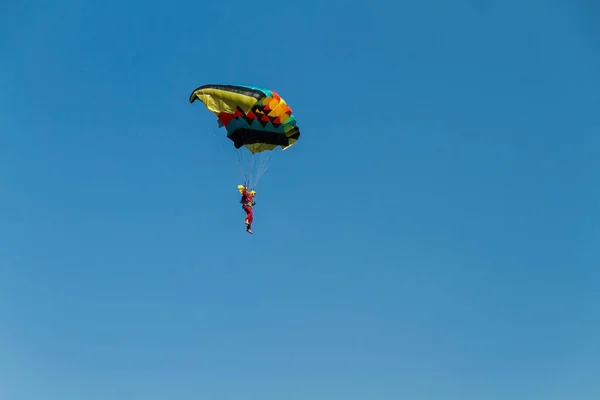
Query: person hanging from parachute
x,y
247,202
257,121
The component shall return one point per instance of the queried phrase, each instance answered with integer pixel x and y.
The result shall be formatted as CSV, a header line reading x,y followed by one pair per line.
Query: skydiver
x,y
247,202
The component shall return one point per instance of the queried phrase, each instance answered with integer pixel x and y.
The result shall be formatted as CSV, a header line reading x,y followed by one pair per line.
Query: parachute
x,y
257,121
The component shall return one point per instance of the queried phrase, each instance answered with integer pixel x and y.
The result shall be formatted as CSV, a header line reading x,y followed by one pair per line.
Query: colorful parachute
x,y
257,120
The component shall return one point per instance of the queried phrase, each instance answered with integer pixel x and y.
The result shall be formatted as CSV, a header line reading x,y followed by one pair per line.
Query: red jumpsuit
x,y
247,203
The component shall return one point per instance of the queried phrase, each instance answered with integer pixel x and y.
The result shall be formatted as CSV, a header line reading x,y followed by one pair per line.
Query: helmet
x,y
252,192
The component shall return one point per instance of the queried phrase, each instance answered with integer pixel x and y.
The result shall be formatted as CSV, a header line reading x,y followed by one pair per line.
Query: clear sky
x,y
434,235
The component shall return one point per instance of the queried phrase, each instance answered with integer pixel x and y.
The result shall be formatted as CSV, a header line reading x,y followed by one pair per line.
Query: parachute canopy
x,y
255,118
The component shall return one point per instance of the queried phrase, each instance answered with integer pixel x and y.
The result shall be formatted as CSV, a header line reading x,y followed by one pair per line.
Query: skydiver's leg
x,y
248,211
249,218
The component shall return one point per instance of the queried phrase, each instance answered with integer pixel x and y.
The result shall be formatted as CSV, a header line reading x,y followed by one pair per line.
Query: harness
x,y
246,202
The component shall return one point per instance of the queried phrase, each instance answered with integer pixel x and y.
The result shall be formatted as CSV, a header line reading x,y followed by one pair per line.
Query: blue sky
x,y
433,235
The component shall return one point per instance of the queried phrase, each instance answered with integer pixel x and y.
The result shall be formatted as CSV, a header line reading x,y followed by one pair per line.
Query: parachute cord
x,y
264,165
247,163
252,166
220,140
227,150
252,163
241,166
